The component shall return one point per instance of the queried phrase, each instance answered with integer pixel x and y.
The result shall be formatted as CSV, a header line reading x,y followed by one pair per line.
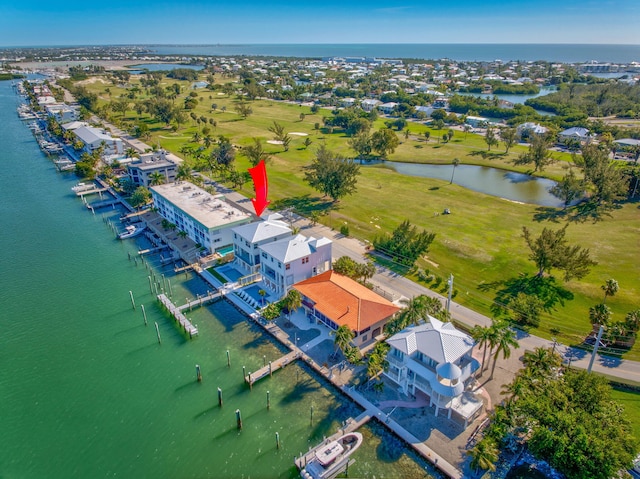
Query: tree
x,y
384,142
538,153
414,311
610,288
346,266
156,178
600,314
485,337
406,244
509,137
361,144
184,172
332,174
505,341
606,182
550,250
455,163
223,155
542,362
141,196
484,455
292,301
255,152
526,309
490,138
377,361
244,109
569,189
280,135
343,337
427,135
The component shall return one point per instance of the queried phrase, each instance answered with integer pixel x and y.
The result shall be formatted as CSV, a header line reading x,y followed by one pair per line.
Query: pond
x,y
491,181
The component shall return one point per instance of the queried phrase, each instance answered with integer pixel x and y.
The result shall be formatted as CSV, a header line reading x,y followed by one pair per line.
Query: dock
x,y
143,252
101,204
191,266
264,371
91,191
199,301
178,316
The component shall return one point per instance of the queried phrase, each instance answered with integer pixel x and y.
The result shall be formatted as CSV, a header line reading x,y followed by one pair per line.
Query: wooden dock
x,y
157,249
199,301
178,316
101,204
92,191
267,370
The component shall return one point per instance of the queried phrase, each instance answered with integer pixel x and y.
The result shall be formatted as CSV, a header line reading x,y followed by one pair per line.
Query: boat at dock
x,y
330,458
132,231
79,187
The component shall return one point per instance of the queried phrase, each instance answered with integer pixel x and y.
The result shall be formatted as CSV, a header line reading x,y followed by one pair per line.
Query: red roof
x,y
345,301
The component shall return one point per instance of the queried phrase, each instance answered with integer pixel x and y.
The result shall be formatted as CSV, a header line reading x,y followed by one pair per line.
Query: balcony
x,y
396,361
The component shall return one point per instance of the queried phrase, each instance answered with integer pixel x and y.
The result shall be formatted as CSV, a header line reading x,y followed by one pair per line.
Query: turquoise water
x,y
87,391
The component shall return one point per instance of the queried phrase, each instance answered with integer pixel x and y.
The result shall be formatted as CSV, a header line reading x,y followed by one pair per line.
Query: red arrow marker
x,y
261,187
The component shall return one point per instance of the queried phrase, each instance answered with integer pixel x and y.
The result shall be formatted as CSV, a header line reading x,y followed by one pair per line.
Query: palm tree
x,y
455,163
414,311
483,336
343,336
484,455
506,341
156,178
610,288
184,172
262,294
292,301
600,314
541,361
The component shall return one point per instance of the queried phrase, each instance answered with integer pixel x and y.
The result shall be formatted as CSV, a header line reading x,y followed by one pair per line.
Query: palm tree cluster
x,y
416,311
497,338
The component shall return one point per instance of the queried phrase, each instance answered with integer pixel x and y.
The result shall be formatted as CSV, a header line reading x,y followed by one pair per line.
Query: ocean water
x,y
86,389
566,53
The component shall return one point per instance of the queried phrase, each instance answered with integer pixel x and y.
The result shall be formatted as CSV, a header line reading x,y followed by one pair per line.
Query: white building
x,y
94,138
292,260
61,112
141,170
368,104
575,133
207,219
247,240
435,358
528,129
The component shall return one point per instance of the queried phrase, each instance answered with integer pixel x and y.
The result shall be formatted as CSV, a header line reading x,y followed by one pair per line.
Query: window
x,y
288,266
305,260
364,338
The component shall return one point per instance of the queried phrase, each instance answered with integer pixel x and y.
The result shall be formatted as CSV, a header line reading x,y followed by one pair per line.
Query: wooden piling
x,y
268,400
133,303
158,333
144,314
238,419
228,359
219,397
277,440
198,373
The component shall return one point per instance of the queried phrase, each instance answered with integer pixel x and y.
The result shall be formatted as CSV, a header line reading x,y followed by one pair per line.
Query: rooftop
x,y
270,228
291,249
346,301
211,211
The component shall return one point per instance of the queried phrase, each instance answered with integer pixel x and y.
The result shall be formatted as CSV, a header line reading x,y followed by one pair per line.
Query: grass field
x,y
479,243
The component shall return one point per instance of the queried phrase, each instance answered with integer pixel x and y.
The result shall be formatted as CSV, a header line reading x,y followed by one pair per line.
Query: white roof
x,y
575,131
291,249
628,142
90,135
74,125
263,230
210,211
439,341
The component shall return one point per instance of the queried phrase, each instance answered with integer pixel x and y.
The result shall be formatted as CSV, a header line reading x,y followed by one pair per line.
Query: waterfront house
x,y
247,240
288,261
94,138
206,219
436,359
336,300
476,121
61,112
140,171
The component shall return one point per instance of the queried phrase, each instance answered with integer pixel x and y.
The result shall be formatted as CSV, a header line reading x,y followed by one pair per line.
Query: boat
x,y
79,187
132,231
330,458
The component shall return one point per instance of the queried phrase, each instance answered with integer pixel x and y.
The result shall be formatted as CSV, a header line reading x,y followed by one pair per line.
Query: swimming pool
x,y
224,251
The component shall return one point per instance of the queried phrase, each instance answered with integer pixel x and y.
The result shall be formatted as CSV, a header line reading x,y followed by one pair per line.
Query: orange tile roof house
x,y
332,299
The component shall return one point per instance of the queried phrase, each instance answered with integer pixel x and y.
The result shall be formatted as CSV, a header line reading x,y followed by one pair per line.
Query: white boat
x,y
330,458
131,231
82,187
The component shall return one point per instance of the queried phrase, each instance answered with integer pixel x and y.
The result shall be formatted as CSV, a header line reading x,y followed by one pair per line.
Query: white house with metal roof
x,y
207,219
94,138
577,133
436,358
248,238
286,262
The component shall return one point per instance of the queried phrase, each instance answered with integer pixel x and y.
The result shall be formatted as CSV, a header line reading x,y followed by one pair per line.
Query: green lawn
x,y
631,402
479,243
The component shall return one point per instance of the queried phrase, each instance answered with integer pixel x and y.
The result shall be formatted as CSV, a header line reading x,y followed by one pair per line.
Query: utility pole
x,y
595,348
450,283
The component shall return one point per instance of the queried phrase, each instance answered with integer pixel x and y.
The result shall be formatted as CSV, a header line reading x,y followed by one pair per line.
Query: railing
x,y
396,361
251,278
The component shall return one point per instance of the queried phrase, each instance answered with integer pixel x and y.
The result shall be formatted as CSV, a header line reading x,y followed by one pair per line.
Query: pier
x,y
91,191
199,301
281,362
101,204
178,316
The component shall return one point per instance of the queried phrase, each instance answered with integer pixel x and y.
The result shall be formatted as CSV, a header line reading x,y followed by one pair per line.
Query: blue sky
x,y
76,22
